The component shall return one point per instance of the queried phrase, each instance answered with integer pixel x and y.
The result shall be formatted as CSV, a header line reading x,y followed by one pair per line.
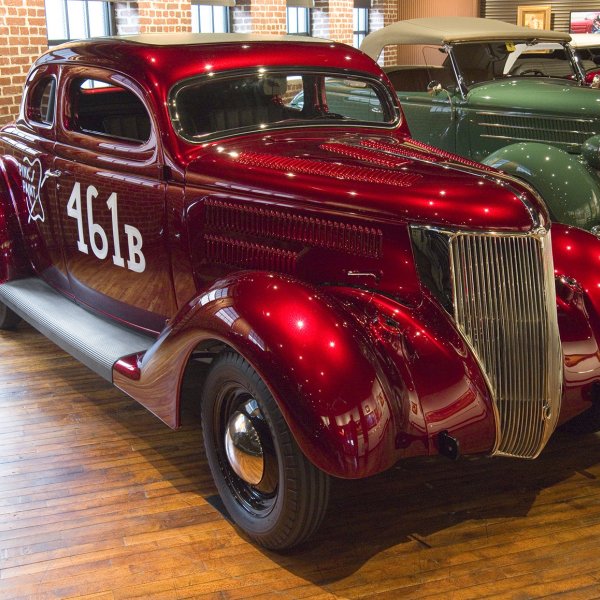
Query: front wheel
x,y
8,318
268,486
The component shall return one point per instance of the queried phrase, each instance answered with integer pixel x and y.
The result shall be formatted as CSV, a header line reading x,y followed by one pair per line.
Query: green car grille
x,y
525,128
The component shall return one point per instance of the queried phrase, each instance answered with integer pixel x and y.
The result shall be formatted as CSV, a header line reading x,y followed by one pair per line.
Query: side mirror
x,y
590,150
434,87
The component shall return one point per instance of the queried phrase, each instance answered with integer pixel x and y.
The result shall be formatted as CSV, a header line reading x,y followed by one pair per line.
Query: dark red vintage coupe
x,y
355,296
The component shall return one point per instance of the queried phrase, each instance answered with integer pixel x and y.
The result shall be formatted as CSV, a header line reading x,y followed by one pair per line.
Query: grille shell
x,y
505,306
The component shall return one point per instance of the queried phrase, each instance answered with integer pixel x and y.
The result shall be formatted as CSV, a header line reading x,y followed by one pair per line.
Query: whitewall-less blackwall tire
x,y
267,485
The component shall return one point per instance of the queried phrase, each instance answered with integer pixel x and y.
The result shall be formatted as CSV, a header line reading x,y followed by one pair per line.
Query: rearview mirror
x,y
434,87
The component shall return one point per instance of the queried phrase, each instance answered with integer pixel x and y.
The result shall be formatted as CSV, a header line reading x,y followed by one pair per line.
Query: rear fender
x,y
570,188
314,359
13,263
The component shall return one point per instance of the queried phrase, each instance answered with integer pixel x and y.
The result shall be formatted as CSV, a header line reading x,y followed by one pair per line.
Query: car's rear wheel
x,y
8,318
267,485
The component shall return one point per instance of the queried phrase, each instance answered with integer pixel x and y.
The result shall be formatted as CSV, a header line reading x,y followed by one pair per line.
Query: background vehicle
x,y
533,117
166,205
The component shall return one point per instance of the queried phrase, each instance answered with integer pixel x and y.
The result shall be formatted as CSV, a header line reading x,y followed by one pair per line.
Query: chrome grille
x,y
505,305
527,128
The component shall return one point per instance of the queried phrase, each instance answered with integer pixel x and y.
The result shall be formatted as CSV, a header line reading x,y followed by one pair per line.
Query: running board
x,y
92,340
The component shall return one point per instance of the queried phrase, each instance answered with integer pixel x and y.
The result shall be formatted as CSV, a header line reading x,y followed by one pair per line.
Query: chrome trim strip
x,y
492,113
524,139
567,131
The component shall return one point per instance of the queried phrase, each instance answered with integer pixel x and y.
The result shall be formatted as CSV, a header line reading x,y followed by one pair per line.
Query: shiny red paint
x,y
291,247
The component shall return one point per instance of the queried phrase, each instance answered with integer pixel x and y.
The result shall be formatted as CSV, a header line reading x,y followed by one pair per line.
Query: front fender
x,y
361,381
570,188
577,268
314,360
437,382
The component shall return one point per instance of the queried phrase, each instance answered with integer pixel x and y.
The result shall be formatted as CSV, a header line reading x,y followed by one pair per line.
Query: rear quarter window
x,y
40,102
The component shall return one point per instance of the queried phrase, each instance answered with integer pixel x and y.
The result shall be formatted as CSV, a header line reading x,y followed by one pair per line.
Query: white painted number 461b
x,y
98,239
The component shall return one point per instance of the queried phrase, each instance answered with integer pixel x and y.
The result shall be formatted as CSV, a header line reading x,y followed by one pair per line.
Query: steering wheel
x,y
532,72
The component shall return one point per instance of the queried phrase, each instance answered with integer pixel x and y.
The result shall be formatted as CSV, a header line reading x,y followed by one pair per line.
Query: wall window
x,y
361,25
210,19
298,20
76,19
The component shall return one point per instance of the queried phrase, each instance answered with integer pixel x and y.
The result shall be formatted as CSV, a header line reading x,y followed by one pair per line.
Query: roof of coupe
x,y
441,30
186,39
169,58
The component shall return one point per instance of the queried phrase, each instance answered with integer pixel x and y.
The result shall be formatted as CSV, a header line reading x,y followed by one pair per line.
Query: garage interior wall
x,y
412,9
506,10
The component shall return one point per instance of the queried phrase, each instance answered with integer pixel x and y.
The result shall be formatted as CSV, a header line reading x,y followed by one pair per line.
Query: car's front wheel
x,y
267,485
8,318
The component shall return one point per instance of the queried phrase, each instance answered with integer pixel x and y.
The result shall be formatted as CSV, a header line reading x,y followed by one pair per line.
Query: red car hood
x,y
376,177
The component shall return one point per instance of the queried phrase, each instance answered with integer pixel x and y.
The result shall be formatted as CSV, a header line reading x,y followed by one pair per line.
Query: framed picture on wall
x,y
584,22
534,16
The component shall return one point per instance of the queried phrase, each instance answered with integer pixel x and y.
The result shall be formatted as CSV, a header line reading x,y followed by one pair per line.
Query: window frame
x,y
358,34
227,18
307,20
38,79
100,145
386,99
108,21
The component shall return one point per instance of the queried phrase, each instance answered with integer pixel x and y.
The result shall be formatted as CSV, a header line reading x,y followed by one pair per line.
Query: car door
x,y
111,199
31,143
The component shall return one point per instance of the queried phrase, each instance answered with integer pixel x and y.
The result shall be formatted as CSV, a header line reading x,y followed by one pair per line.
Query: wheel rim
x,y
246,451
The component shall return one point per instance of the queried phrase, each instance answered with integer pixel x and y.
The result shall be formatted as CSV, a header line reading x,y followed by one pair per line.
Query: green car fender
x,y
568,183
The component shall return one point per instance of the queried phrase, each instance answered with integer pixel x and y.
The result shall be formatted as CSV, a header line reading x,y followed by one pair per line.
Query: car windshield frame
x,y
391,112
464,83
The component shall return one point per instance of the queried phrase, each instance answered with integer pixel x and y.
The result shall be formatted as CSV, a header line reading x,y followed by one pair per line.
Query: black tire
x,y
586,422
8,318
289,502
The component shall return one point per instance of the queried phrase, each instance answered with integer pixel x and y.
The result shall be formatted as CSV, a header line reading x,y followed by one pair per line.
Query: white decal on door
x,y
98,240
33,180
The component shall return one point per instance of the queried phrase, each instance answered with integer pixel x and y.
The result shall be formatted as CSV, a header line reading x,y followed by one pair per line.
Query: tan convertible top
x,y
439,30
179,39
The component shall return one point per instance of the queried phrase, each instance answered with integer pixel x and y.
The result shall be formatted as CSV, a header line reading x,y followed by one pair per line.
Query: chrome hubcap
x,y
243,447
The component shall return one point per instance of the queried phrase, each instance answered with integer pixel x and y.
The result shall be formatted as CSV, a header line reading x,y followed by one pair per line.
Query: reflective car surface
x,y
250,214
511,97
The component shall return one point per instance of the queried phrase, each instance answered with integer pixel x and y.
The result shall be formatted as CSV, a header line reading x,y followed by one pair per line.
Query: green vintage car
x,y
465,90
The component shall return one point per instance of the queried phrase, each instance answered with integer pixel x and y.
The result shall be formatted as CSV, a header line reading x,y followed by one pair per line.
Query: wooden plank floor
x,y
98,499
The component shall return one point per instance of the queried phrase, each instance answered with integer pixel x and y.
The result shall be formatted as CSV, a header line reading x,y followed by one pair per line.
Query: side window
x,y
353,99
101,108
40,101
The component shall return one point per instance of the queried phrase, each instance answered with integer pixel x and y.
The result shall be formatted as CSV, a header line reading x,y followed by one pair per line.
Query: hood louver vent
x,y
321,168
250,220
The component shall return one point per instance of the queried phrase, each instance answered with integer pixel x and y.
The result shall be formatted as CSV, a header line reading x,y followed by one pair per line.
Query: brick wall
x,y
242,17
127,18
24,38
320,19
268,16
165,17
332,19
384,13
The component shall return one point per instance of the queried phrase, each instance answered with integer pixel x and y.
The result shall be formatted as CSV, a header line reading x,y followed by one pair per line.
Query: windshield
x,y
209,106
482,62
